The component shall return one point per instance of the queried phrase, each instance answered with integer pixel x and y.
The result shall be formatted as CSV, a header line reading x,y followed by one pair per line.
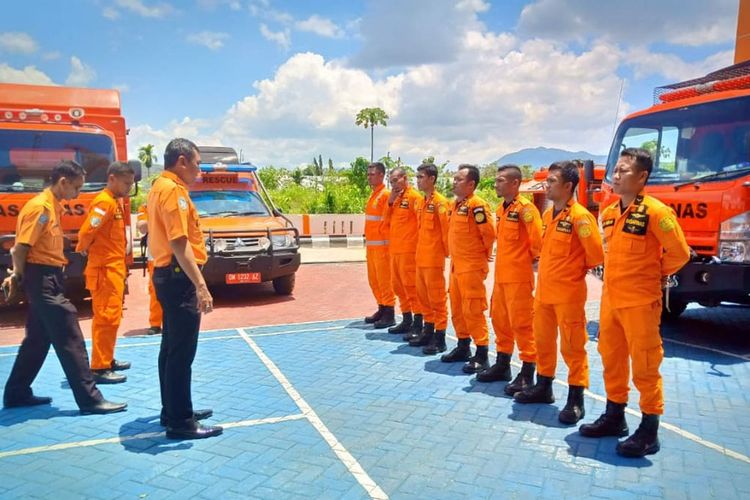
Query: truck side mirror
x,y
136,166
588,171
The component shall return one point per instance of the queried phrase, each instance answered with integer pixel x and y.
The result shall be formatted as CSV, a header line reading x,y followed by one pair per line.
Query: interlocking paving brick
x,y
420,428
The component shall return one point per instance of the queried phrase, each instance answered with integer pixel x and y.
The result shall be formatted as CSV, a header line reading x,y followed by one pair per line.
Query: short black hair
x,y
473,172
428,169
377,165
568,171
176,148
400,171
68,169
120,168
513,170
641,158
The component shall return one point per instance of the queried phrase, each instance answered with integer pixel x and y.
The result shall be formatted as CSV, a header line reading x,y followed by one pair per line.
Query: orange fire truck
x,y
699,134
41,125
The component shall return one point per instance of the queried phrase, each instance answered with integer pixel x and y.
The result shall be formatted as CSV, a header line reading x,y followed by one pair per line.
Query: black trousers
x,y
179,341
51,320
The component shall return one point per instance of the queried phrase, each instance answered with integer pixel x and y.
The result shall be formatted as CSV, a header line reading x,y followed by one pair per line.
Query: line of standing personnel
x,y
644,246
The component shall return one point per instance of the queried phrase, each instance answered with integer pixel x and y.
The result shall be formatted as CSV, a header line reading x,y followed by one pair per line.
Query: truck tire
x,y
676,308
284,285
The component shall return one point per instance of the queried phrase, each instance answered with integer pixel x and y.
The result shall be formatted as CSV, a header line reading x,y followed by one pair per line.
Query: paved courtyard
x,y
334,409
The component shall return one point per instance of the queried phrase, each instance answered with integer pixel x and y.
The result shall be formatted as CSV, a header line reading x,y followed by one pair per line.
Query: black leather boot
x,y
387,318
424,337
523,380
462,352
479,361
498,372
416,328
573,410
375,316
610,423
541,392
436,344
644,441
405,326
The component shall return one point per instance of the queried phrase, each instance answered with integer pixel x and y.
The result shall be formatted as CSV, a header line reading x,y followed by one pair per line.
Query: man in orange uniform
x,y
432,249
471,236
102,238
176,241
38,260
155,313
401,217
519,239
645,245
571,245
377,244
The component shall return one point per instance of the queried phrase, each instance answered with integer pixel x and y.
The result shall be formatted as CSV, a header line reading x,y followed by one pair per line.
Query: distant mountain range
x,y
542,157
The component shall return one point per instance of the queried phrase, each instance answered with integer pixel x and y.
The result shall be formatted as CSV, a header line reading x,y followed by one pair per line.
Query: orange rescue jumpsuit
x,y
571,245
519,239
644,244
102,236
432,249
376,242
155,313
471,236
401,218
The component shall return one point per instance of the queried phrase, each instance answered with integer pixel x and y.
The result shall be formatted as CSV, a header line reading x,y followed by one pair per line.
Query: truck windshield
x,y
228,203
28,156
690,142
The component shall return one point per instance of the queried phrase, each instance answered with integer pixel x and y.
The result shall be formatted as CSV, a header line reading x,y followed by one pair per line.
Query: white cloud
x,y
691,23
122,87
17,42
320,26
234,5
399,33
646,63
210,39
51,56
80,74
28,74
111,13
281,38
262,10
140,7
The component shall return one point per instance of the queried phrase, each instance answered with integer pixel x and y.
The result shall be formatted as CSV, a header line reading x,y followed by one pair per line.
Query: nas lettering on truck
x,y
690,210
13,210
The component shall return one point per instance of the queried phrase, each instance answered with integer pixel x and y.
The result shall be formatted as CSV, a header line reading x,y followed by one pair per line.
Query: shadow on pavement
x,y
542,414
151,445
451,369
496,389
14,416
601,450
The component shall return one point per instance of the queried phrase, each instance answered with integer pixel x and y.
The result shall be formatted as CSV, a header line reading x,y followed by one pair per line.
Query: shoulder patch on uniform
x,y
667,223
480,217
43,219
584,231
528,215
182,202
100,211
95,221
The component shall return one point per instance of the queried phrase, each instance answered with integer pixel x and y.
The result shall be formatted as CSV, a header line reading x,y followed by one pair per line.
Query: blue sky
x,y
464,80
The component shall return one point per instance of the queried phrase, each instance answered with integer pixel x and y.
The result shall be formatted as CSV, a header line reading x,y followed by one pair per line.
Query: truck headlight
x,y
220,245
734,239
282,240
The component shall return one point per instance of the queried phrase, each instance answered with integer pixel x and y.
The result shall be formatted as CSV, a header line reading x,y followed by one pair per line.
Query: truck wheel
x,y
284,285
676,307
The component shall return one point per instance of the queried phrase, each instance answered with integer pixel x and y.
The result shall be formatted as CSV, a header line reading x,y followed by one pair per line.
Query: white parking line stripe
x,y
671,427
145,435
342,453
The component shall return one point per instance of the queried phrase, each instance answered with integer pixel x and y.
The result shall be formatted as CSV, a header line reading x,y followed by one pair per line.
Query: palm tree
x,y
368,118
147,156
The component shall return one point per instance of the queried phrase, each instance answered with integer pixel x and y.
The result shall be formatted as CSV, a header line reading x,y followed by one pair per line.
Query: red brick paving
x,y
323,292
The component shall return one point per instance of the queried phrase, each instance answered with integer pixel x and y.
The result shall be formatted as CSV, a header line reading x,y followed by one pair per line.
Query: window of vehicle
x,y
28,156
228,203
709,140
